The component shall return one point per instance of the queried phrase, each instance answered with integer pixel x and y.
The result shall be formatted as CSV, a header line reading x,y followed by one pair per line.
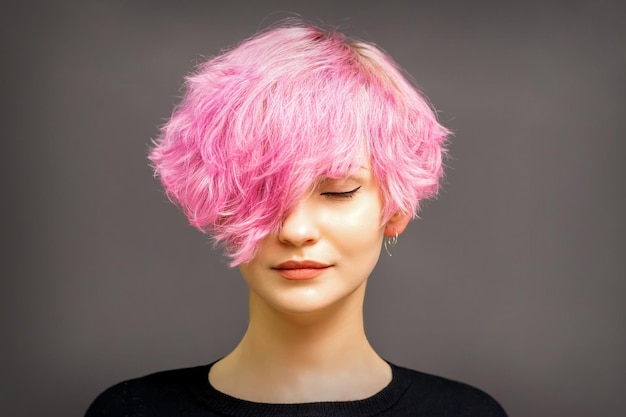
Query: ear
x,y
397,223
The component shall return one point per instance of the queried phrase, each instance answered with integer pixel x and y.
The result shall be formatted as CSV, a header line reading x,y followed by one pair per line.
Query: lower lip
x,y
301,273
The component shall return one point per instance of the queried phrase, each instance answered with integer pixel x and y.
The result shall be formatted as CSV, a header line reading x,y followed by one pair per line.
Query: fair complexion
x,y
305,341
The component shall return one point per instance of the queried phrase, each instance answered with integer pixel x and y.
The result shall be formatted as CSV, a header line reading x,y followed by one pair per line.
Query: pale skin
x,y
305,340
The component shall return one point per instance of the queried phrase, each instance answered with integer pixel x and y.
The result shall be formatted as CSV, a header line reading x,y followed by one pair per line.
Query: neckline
x,y
231,406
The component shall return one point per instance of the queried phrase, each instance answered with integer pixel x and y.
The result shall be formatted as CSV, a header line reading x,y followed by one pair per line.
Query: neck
x,y
302,357
317,339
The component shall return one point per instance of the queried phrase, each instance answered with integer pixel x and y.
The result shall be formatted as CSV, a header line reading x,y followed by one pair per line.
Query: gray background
x,y
513,280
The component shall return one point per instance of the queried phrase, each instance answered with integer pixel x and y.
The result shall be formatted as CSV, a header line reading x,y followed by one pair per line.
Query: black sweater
x,y
188,393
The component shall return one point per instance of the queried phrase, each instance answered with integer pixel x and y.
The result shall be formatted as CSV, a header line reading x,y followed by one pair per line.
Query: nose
x,y
299,227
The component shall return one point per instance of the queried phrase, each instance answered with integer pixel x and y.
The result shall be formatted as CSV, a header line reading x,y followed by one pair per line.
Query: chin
x,y
303,301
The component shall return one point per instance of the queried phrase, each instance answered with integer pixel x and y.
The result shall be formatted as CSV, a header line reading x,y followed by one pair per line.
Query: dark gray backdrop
x,y
513,280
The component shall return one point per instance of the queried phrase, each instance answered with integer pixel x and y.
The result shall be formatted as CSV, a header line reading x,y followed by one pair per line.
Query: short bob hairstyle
x,y
261,123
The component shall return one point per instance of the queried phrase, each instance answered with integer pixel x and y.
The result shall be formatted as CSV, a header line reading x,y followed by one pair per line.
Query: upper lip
x,y
301,265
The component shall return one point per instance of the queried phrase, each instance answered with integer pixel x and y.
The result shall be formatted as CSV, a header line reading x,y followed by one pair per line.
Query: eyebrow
x,y
358,175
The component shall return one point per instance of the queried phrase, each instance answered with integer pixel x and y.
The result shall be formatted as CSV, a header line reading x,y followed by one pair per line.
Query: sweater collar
x,y
227,405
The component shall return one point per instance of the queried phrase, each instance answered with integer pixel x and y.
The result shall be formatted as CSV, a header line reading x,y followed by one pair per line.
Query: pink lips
x,y
301,270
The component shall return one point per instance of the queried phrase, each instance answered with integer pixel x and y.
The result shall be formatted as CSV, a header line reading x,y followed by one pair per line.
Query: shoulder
x,y
437,396
160,393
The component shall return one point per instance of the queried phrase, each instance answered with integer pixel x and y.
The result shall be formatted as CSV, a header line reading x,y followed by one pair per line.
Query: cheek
x,y
358,232
252,269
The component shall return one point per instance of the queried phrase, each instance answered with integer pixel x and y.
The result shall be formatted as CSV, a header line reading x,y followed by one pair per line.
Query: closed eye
x,y
342,194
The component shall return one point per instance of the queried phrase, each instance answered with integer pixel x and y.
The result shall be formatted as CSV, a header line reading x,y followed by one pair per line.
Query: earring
x,y
390,242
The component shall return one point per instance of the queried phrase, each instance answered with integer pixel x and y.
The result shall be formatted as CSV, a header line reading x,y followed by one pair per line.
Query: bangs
x,y
300,130
304,124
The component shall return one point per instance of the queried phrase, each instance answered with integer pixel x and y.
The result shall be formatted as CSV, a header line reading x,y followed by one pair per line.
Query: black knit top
x,y
188,393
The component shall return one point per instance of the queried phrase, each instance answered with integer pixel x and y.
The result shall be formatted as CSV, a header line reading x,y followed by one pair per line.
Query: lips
x,y
301,270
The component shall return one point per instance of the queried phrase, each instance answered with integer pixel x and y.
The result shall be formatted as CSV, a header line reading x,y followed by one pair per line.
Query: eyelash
x,y
342,195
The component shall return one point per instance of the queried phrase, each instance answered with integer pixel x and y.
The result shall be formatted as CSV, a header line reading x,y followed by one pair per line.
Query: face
x,y
325,251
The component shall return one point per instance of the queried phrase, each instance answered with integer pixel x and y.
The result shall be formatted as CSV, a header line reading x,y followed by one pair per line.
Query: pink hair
x,y
261,123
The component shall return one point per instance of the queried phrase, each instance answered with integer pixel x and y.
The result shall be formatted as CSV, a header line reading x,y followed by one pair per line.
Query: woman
x,y
300,152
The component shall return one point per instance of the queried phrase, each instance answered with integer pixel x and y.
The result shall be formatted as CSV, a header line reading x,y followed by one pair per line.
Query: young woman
x,y
303,154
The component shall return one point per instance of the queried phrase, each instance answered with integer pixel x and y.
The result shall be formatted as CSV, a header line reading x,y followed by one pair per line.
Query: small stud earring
x,y
390,242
